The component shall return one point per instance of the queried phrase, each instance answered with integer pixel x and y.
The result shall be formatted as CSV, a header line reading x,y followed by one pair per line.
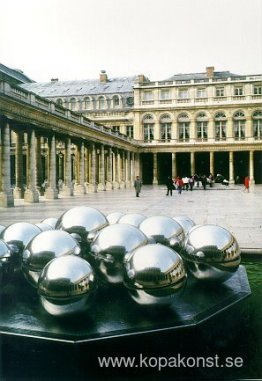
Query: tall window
x,y
201,126
183,127
87,103
72,104
257,125
238,90
165,94
220,92
239,125
148,127
116,101
148,96
257,90
165,128
183,94
201,93
59,102
130,131
116,128
220,126
101,103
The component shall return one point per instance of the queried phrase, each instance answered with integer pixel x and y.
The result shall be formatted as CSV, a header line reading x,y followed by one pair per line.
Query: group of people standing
x,y
188,183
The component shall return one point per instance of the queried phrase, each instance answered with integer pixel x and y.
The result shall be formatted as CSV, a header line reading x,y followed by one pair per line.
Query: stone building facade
x,y
208,122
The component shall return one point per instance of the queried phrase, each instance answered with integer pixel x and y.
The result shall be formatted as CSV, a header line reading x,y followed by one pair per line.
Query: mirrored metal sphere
x,y
5,262
110,247
50,221
132,219
82,220
66,285
211,253
154,274
18,235
185,222
2,227
114,217
44,227
43,248
164,230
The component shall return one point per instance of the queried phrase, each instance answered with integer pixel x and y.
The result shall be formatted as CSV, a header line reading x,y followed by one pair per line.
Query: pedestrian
x,y
137,185
191,182
180,185
246,183
204,181
169,186
186,182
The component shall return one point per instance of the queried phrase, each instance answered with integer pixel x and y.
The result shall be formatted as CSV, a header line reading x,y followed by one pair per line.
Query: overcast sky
x,y
75,39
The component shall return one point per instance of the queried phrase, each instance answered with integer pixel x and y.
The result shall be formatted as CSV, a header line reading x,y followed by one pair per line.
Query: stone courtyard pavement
x,y
227,206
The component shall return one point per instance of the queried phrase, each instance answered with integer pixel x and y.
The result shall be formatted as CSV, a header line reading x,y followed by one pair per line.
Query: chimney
x,y
103,76
140,78
210,71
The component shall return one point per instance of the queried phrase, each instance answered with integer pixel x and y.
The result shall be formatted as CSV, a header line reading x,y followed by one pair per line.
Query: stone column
x,y
230,135
92,187
18,190
81,188
157,131
122,170
211,163
102,183
192,163
52,192
67,189
251,167
6,195
132,168
109,180
155,180
249,134
39,164
128,170
117,171
77,165
31,193
192,131
211,131
231,167
174,169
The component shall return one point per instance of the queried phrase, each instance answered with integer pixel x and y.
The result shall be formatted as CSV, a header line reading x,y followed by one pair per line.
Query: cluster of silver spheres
x,y
68,258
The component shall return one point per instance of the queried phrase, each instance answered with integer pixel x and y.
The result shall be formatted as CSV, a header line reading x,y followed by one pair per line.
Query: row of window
x,y
166,94
201,116
101,103
239,130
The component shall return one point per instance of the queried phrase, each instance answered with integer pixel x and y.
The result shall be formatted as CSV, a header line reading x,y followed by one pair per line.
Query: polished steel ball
x,y
186,223
164,230
82,220
154,274
211,253
66,285
110,247
51,221
114,217
132,219
2,227
18,235
43,248
5,262
44,226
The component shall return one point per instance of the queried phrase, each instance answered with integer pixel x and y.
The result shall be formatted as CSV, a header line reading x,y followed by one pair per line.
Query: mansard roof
x,y
56,88
14,75
203,76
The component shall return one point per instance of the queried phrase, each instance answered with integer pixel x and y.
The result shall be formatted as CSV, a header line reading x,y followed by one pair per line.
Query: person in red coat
x,y
246,183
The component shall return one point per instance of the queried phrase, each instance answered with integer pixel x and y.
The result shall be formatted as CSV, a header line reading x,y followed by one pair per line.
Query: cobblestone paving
x,y
230,207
